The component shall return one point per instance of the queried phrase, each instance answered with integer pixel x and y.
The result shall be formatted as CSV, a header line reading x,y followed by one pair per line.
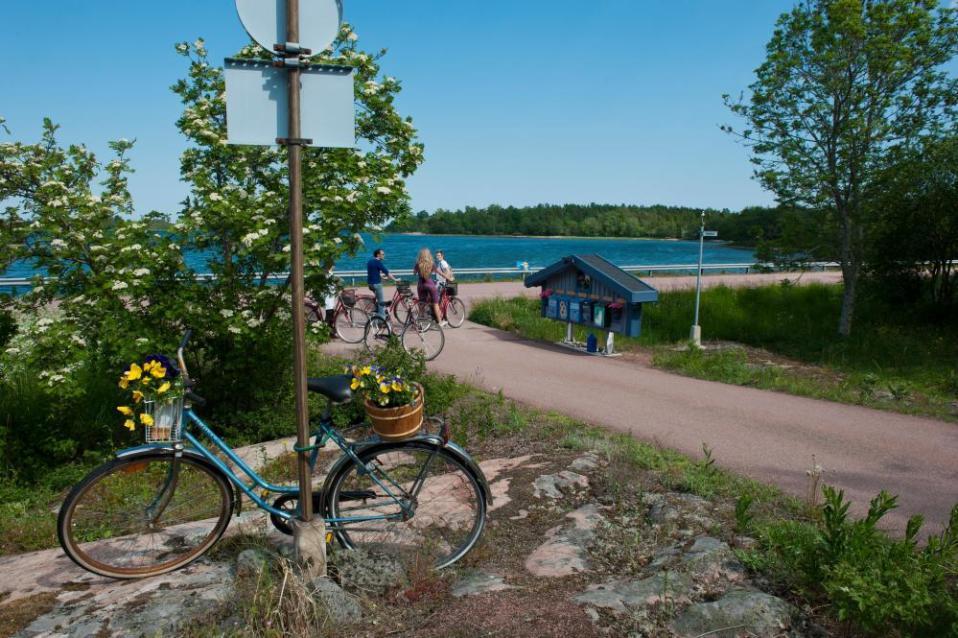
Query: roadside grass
x,y
783,337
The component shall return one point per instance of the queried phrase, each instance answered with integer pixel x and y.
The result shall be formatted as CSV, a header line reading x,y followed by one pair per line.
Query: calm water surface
x,y
471,251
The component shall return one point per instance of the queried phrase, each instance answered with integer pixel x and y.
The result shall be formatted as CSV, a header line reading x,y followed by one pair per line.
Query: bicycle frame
x,y
325,433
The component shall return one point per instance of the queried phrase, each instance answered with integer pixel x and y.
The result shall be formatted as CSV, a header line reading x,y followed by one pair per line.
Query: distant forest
x,y
749,226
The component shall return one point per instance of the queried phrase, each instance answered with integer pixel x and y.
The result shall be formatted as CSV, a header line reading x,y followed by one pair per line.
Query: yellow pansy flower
x,y
137,396
379,378
134,373
124,410
124,384
158,370
397,387
146,380
163,388
366,370
129,425
355,384
384,388
146,419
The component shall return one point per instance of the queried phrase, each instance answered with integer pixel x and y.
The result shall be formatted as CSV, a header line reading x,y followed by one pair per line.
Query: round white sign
x,y
265,22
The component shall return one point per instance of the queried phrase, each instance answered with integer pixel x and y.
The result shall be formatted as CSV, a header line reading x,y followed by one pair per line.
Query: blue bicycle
x,y
162,505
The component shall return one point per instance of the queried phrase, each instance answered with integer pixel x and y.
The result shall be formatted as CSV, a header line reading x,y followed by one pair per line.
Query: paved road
x,y
766,435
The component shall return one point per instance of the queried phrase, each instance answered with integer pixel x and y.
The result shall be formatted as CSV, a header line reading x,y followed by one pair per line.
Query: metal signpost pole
x,y
696,335
294,148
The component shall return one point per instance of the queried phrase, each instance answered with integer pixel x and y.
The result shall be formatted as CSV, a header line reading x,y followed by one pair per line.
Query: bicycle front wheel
x,y
418,502
401,309
350,324
425,337
456,312
135,517
377,334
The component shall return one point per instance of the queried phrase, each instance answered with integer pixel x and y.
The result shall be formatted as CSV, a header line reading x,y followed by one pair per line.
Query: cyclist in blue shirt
x,y
375,270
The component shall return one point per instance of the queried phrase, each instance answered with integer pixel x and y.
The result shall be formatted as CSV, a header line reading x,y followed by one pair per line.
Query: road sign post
x,y
696,334
276,27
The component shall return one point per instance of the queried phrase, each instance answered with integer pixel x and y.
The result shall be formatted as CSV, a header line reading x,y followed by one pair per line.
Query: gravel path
x,y
766,435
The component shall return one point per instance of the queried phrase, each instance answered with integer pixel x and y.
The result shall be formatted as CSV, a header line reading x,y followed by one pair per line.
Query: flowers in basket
x,y
156,380
382,388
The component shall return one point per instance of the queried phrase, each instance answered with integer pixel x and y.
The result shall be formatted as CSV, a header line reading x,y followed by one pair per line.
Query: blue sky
x,y
518,102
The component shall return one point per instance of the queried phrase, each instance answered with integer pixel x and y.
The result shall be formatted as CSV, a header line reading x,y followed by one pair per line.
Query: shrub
x,y
878,584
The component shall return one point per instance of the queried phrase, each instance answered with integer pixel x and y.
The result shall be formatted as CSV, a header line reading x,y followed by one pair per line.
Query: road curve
x,y
768,436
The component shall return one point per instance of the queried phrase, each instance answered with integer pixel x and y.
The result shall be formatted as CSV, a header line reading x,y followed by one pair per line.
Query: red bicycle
x,y
402,303
452,307
347,320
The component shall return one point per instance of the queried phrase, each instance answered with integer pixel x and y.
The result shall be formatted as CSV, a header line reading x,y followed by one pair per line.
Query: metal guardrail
x,y
651,269
17,282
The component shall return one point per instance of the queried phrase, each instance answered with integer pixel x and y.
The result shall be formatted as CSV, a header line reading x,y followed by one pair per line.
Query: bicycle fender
x,y
152,448
461,455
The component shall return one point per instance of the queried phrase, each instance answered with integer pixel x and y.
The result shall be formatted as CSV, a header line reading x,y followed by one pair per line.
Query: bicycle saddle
x,y
334,388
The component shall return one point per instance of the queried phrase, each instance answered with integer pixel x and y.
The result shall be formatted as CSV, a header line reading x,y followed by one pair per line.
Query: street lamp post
x,y
696,334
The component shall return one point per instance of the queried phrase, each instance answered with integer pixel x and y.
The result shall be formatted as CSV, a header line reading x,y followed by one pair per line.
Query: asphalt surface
x,y
769,436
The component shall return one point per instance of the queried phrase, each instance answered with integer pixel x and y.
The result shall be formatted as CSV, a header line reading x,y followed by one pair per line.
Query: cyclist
x,y
426,288
442,273
375,271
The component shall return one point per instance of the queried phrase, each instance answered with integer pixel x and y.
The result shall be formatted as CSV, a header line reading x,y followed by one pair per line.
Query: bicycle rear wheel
x,y
445,507
350,324
425,337
135,517
377,334
456,312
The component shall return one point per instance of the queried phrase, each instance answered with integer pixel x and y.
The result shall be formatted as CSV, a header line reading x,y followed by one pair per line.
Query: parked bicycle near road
x,y
347,320
162,505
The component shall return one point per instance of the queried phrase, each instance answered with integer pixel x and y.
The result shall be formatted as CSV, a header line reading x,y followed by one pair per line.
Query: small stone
x,y
521,515
737,613
251,562
585,463
367,572
745,542
673,506
663,556
565,551
341,607
622,595
713,559
479,582
555,485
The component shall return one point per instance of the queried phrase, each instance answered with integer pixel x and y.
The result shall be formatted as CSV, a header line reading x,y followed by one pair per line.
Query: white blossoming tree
x,y
101,274
237,209
113,287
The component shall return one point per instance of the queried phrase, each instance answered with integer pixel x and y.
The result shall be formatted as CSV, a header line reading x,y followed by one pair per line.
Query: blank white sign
x,y
257,104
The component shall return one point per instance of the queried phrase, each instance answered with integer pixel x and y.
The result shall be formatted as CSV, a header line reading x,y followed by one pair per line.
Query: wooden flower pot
x,y
393,424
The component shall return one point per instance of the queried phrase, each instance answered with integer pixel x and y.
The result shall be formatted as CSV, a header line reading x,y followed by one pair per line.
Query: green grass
x,y
896,358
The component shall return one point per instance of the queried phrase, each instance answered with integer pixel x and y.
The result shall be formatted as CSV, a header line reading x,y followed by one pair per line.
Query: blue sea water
x,y
471,251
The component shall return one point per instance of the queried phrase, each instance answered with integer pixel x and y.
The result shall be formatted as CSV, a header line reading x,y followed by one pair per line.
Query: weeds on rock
x,y
743,515
879,585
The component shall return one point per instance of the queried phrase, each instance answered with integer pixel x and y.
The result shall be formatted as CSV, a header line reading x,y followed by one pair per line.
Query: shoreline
x,y
578,237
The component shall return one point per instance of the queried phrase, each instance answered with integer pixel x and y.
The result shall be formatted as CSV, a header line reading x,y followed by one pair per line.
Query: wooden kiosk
x,y
590,291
